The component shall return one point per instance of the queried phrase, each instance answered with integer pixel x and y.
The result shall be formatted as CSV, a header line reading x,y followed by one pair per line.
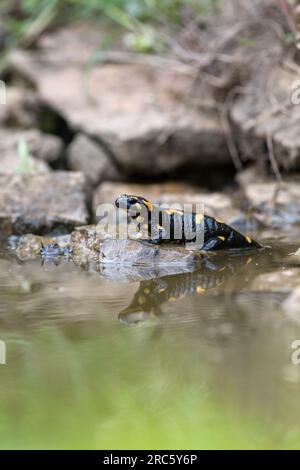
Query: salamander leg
x,y
213,243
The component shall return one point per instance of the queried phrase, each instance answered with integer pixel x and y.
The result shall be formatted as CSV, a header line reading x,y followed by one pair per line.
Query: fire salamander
x,y
217,235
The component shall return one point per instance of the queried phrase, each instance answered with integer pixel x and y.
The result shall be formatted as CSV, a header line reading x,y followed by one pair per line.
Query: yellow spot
x,y
138,205
139,219
221,238
219,221
171,299
148,205
198,218
142,300
249,260
162,290
159,227
200,290
249,240
222,269
147,290
169,211
145,226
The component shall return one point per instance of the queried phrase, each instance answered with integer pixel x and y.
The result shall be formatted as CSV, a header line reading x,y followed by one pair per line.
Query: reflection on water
x,y
151,294
203,360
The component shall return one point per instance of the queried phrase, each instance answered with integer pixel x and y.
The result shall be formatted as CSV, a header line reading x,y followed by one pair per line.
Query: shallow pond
x,y
191,360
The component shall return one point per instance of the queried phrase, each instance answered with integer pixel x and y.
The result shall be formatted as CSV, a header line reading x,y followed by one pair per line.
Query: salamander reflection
x,y
150,296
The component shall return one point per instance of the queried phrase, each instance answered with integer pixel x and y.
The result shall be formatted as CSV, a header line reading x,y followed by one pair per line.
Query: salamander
x,y
216,234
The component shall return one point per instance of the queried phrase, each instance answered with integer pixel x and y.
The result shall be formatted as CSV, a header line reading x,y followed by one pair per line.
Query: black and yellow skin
x,y
217,234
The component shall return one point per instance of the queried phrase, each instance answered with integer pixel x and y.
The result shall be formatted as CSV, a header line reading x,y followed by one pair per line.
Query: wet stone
x,y
31,246
132,252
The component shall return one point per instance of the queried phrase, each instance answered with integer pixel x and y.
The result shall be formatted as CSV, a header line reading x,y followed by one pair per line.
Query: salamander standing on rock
x,y
217,235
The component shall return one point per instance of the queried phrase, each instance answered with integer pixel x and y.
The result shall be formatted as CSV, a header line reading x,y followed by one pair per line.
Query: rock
x,y
40,203
85,246
23,108
86,239
11,163
284,212
267,109
29,245
127,260
38,145
216,204
147,127
254,173
132,252
87,156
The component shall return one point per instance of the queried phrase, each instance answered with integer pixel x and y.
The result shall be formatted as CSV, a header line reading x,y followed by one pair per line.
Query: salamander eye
x,y
124,201
131,200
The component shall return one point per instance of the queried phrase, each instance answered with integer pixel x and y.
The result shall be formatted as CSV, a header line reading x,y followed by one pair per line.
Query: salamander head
x,y
134,205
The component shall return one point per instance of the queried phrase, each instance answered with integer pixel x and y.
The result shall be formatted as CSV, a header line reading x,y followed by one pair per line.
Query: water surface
x,y
193,360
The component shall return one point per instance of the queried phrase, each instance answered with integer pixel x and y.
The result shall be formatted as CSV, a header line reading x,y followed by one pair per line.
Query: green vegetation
x,y
24,157
26,20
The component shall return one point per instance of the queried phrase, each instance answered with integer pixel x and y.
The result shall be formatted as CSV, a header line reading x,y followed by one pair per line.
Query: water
x,y
191,360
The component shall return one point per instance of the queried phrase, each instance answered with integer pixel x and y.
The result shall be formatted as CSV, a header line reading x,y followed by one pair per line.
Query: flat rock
x,y
128,260
41,203
147,125
87,156
132,252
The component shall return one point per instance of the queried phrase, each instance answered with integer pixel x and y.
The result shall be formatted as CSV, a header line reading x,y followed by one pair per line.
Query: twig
x,y
288,13
275,168
225,122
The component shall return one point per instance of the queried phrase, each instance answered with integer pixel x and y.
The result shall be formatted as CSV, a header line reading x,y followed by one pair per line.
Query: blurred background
x,y
150,90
